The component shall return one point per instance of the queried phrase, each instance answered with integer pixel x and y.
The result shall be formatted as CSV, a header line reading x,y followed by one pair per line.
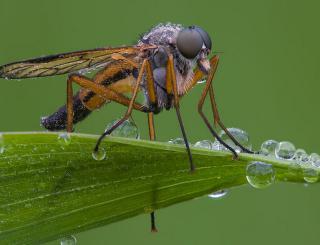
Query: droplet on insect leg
x,y
240,135
99,155
127,129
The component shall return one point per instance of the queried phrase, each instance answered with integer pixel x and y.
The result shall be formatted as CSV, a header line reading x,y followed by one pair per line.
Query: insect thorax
x,y
164,36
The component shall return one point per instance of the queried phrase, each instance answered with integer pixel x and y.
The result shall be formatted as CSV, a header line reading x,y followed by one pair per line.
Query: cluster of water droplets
x,y
241,136
284,150
258,173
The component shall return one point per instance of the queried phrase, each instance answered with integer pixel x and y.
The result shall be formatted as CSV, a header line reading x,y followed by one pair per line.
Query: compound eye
x,y
205,37
189,42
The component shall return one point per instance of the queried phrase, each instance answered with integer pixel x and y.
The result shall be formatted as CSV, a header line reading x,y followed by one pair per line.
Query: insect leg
x,y
105,92
220,123
214,63
130,107
152,136
69,106
171,86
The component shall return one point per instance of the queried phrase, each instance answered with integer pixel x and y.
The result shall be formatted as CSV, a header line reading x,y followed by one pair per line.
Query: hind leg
x,y
99,89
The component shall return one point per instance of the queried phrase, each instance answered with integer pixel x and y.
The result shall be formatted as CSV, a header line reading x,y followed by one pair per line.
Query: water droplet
x,y
314,159
285,150
68,240
127,129
268,147
260,175
202,81
301,156
1,144
216,146
64,138
310,175
241,136
99,155
218,194
177,141
206,144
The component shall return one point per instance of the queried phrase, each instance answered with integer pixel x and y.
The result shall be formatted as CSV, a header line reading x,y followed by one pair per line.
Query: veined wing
x,y
65,62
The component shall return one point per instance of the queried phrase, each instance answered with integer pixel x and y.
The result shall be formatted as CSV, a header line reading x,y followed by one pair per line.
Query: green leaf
x,y
49,190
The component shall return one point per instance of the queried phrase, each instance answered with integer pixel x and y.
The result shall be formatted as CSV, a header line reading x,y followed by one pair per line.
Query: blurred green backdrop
x,y
267,84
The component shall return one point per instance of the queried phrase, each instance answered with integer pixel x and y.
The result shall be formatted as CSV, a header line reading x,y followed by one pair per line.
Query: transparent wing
x,y
65,62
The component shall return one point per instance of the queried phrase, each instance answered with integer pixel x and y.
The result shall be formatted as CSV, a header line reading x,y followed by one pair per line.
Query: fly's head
x,y
194,43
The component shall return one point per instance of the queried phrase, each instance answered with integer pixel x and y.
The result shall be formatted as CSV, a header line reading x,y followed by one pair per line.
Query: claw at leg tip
x,y
154,230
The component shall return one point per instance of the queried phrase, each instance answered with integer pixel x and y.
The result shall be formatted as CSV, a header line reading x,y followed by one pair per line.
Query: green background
x,y
267,84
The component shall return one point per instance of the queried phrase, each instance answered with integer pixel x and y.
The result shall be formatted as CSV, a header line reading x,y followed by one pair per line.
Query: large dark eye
x,y
205,37
189,42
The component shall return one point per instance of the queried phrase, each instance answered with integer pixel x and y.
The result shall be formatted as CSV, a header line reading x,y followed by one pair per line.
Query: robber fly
x,y
165,64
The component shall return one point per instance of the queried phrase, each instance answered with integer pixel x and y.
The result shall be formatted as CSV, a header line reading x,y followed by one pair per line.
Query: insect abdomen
x,y
58,120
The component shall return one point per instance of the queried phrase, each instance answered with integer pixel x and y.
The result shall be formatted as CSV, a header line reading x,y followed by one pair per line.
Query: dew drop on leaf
x,y
68,240
205,144
176,141
64,139
1,144
218,194
285,150
310,175
314,159
300,156
260,175
268,147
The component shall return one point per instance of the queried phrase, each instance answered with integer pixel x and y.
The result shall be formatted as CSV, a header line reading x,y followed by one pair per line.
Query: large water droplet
x,y
260,175
64,139
285,150
206,144
310,175
218,194
68,240
241,136
268,147
1,144
99,155
127,129
177,141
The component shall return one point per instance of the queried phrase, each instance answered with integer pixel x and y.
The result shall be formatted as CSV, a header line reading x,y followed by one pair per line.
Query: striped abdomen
x,y
118,76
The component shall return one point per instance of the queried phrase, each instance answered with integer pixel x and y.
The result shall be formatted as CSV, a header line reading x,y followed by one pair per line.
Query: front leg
x,y
171,87
198,75
130,106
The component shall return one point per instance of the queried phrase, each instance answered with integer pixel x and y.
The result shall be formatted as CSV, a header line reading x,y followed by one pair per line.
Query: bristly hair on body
x,y
165,35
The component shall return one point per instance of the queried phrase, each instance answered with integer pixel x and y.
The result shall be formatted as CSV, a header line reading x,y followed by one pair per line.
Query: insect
x,y
165,64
